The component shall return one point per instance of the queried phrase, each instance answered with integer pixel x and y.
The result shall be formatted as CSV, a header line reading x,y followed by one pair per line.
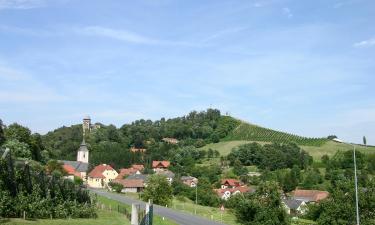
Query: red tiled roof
x,y
231,182
97,172
138,166
312,195
160,164
70,170
130,183
126,172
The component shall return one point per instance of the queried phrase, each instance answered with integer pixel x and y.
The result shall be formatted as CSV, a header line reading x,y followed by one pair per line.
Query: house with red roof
x,y
226,193
133,185
309,195
160,165
230,183
134,169
71,172
189,181
101,175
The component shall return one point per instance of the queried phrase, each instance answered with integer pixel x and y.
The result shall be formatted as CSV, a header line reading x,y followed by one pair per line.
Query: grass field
x,y
205,211
105,217
329,148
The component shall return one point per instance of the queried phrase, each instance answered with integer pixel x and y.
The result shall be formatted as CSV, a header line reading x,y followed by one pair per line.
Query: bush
x,y
116,186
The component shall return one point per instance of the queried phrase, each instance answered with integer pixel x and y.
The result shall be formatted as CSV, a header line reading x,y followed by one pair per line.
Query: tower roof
x,y
83,147
87,117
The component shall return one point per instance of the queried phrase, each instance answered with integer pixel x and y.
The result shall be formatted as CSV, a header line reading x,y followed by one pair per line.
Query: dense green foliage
x,y
270,156
262,207
246,131
158,190
26,189
339,208
111,145
22,142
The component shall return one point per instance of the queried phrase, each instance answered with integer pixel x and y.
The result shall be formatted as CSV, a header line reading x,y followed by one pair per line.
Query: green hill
x,y
250,132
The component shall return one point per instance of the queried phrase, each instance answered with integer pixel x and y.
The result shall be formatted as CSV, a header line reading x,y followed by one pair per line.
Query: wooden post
x,y
24,215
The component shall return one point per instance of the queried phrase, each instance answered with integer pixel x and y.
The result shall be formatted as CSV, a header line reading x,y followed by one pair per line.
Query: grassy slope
x,y
105,217
329,148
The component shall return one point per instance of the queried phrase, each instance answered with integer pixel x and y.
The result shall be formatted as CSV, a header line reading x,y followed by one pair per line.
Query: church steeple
x,y
83,152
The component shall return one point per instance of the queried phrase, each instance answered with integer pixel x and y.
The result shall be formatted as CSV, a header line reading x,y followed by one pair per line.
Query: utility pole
x,y
355,182
356,185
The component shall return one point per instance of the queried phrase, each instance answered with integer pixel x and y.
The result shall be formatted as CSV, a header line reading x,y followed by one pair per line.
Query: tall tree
x,y
158,190
2,135
364,140
18,132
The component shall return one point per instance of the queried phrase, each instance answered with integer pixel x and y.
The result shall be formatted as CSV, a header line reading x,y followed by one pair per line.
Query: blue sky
x,y
305,67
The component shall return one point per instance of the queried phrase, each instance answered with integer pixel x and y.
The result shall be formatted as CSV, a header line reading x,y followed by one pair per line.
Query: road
x,y
177,216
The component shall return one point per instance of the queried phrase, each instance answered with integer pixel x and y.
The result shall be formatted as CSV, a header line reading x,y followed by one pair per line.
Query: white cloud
x,y
287,12
21,4
128,36
366,43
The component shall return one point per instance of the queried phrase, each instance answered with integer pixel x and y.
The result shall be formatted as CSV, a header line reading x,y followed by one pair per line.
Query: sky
x,y
305,67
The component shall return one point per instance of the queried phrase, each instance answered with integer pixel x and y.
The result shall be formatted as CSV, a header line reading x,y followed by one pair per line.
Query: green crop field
x,y
328,148
250,132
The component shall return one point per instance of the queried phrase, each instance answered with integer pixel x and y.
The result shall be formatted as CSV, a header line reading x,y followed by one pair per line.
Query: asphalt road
x,y
177,216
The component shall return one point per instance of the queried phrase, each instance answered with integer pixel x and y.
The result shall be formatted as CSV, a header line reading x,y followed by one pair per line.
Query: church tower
x,y
86,125
83,153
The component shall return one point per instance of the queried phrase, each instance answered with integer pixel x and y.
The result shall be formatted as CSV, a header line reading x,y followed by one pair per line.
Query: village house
x,y
294,206
230,187
167,173
134,169
309,196
172,141
71,172
189,181
226,193
101,175
230,183
133,183
160,165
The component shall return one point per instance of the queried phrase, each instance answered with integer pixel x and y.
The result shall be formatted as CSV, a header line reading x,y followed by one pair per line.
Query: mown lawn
x,y
105,217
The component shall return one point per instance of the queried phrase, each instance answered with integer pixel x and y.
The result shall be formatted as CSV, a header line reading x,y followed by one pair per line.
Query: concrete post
x,y
134,219
147,207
